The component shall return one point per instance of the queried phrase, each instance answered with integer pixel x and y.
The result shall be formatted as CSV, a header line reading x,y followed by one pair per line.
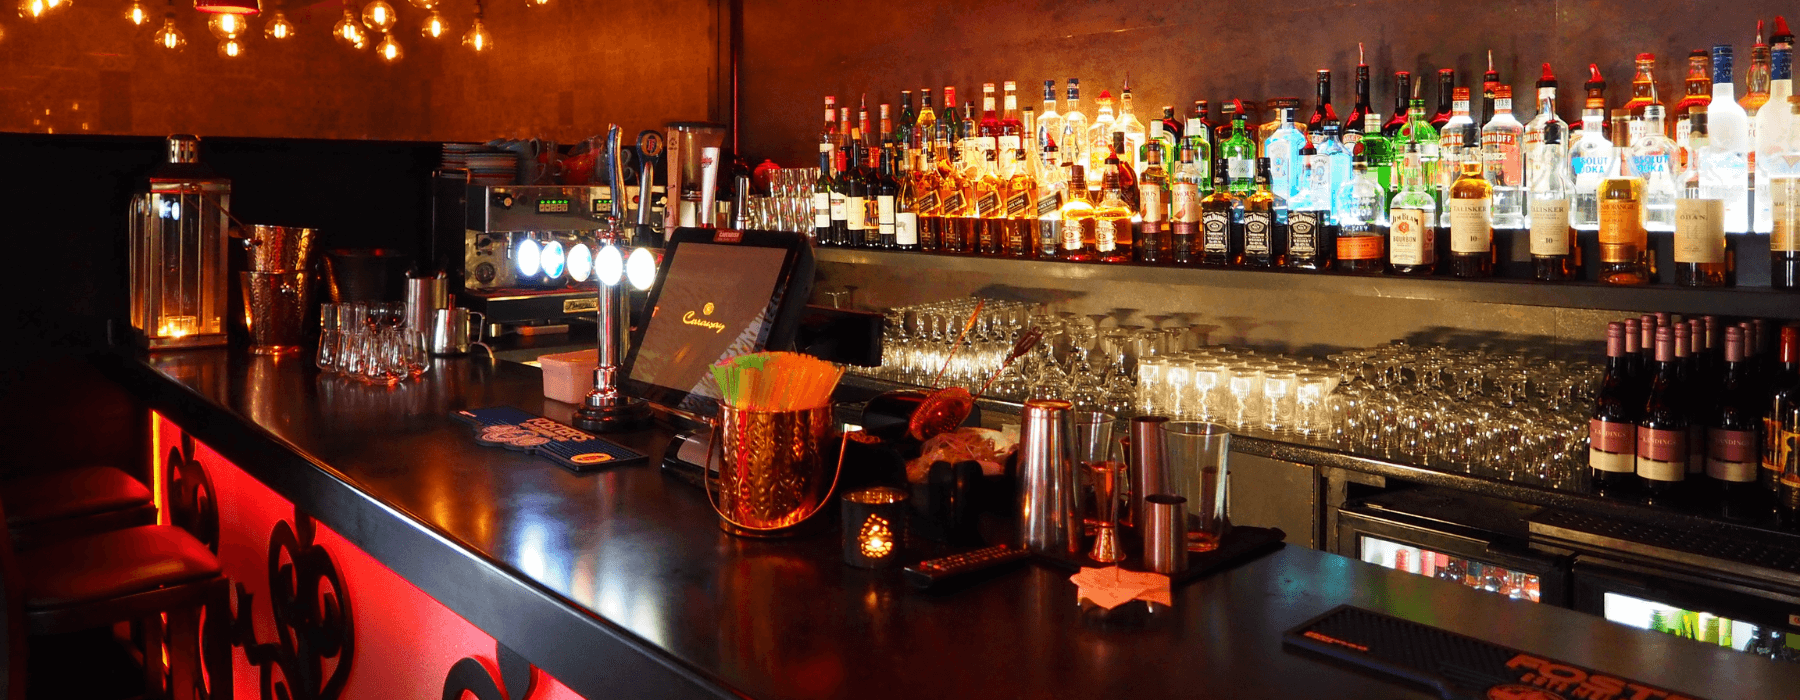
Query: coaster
x,y
576,450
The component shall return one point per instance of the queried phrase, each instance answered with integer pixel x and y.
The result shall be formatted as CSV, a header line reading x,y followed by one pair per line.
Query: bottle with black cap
x,y
1554,255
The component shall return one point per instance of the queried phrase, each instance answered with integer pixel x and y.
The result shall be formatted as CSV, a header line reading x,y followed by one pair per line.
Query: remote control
x,y
933,573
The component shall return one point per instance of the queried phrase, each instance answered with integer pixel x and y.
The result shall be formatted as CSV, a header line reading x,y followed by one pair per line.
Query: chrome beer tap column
x,y
606,408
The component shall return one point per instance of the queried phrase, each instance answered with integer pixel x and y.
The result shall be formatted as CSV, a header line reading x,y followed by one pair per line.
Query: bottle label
x,y
1731,455
1049,236
1183,234
855,213
1772,448
1151,203
1612,447
955,204
1009,144
1071,234
1472,225
1662,454
840,209
1699,230
1784,197
1216,226
1240,168
1550,227
821,210
1622,224
1646,166
1413,242
926,204
884,214
1787,448
1106,234
1049,205
1184,200
1257,227
906,228
988,206
1018,206
1303,234
1359,247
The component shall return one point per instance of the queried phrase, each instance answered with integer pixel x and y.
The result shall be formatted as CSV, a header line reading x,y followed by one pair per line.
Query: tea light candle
x,y
874,527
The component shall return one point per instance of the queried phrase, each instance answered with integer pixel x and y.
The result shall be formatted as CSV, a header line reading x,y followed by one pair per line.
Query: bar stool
x,y
73,502
98,580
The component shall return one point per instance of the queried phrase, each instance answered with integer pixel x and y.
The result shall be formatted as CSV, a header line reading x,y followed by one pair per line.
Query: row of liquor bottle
x,y
1542,176
1695,413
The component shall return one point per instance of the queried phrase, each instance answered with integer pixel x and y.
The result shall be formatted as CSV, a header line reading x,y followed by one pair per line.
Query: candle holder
x,y
874,527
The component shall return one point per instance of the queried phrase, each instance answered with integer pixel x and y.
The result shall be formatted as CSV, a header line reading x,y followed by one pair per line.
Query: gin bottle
x,y
1283,151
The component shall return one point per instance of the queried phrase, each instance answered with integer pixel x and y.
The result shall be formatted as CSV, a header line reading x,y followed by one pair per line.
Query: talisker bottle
x,y
1612,431
1662,433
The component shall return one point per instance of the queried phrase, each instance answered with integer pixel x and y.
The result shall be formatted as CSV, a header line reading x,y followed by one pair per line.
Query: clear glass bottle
x,y
1412,217
1263,211
1074,144
1153,207
1653,157
1362,217
1503,162
1221,221
1337,160
1726,120
1700,255
1099,138
1470,208
1546,115
1624,243
1128,124
1309,240
1049,127
1282,149
1184,209
1554,254
1198,137
1591,162
1239,155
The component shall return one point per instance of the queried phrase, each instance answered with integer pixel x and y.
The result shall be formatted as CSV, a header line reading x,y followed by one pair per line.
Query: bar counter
x,y
621,584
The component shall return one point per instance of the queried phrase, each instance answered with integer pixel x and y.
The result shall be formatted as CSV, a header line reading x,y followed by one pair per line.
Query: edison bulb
x,y
536,3
388,49
56,4
231,48
168,36
226,26
434,26
278,27
378,16
348,32
477,39
137,14
33,9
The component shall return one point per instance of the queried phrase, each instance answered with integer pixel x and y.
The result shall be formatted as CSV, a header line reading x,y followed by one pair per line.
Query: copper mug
x,y
771,469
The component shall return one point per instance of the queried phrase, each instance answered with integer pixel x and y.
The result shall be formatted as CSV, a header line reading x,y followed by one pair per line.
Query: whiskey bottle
x,y
1112,218
1309,213
928,200
989,216
1698,88
1184,204
1077,220
1052,188
1612,430
1221,222
1412,220
1553,249
957,223
1261,238
1021,209
1662,433
1362,218
1471,205
1700,254
1624,244
1153,207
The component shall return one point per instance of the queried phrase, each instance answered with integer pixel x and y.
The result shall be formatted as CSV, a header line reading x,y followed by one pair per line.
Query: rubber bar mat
x,y
1457,666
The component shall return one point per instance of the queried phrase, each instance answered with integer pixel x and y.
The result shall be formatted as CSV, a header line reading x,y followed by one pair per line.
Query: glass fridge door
x,y
1474,573
1478,559
1765,624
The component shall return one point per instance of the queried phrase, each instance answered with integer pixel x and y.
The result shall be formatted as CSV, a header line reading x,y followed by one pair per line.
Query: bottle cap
x,y
1446,72
1104,95
1594,81
1460,94
1734,344
1615,339
1632,335
1548,79
1050,89
1781,35
1665,345
1009,85
1646,57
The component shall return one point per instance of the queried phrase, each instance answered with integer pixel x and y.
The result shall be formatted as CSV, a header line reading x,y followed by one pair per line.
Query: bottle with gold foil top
x,y
1153,207
928,199
989,217
1112,218
1020,226
1624,244
1077,219
958,207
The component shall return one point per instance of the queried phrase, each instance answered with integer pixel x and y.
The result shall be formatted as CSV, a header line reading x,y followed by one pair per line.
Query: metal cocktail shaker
x,y
1048,520
1149,464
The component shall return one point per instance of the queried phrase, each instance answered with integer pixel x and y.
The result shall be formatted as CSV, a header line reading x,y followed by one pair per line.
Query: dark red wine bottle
x,y
1612,431
1734,440
1646,349
1633,349
1662,432
1782,391
1693,397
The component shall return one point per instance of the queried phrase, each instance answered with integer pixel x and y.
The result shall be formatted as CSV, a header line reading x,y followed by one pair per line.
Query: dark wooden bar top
x,y
620,584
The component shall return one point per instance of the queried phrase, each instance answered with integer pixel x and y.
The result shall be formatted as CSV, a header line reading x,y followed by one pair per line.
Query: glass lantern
x,y
179,233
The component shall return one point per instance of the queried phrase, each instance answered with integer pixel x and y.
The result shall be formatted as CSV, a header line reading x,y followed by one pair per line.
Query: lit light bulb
x,y
378,16
168,36
137,14
477,39
389,50
347,31
536,3
33,9
226,26
278,27
56,4
231,48
434,26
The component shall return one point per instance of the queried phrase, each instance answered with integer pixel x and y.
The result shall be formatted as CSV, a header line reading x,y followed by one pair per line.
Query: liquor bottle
x,y
1734,438
1697,402
1647,326
906,214
1700,255
1591,162
1099,139
1336,157
903,130
1412,219
1450,143
887,194
1782,394
1403,92
1153,207
840,204
1221,221
1197,136
928,199
1282,149
1784,199
1128,124
1595,89
1726,120
1322,111
947,132
957,206
1121,167
1662,432
1424,139
1277,107
1378,153
828,137
1173,131
924,128
1445,96
1653,158
853,188
989,195
987,128
886,133
1612,430
1624,245
1027,142
1471,212
1075,144
1774,121
1309,240
1052,189
1049,125
1362,218
1112,218
1239,154
1355,121
1490,88
1698,94
1546,114
1262,240
1228,113
1020,227
863,128
1166,131
1184,209
1503,161
1756,80
1012,127
1643,87
1553,249
841,152
822,191
1078,241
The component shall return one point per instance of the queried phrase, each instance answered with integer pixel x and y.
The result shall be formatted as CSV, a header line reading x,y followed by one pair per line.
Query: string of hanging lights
x,y
229,22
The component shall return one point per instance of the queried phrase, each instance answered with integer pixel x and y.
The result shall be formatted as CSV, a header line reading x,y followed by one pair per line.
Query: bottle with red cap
x,y
1546,114
1612,430
1734,439
1643,87
1596,99
1662,431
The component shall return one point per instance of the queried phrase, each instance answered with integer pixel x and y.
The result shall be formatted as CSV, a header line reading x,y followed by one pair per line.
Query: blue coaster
x,y
575,450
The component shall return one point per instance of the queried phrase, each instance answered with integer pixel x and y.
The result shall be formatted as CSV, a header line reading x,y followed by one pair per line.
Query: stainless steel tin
x,y
1048,520
1165,533
424,296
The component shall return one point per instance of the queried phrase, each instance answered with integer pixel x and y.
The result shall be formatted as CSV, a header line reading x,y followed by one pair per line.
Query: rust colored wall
x,y
563,71
1178,51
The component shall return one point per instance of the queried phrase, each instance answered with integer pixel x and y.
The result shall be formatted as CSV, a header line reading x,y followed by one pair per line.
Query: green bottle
x,y
1419,130
1377,151
1239,154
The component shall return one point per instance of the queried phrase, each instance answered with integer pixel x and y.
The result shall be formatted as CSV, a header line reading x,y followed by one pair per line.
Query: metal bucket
x,y
280,248
771,471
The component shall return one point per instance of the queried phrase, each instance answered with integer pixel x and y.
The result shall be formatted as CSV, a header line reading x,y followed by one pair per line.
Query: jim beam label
x,y
1303,234
1662,455
1018,206
1700,231
1106,234
1471,225
1550,227
1784,197
1412,242
1258,225
1731,455
821,210
1612,447
1215,227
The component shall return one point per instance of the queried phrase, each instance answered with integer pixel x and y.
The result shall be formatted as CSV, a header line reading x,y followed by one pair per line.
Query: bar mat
x,y
576,450
1457,666
1240,545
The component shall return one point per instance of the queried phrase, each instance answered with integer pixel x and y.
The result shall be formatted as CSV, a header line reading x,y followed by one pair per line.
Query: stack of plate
x,y
492,168
456,155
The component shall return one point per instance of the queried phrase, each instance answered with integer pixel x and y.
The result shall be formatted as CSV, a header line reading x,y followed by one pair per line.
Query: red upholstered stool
x,y
73,502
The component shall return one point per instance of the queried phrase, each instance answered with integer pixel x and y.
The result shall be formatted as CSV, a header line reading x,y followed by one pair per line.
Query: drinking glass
x,y
327,356
1197,456
1278,389
1312,416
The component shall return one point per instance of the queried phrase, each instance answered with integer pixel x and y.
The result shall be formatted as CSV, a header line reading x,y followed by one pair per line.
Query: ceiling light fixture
x,y
226,26
477,39
168,36
231,48
279,27
389,50
348,31
137,14
434,26
378,15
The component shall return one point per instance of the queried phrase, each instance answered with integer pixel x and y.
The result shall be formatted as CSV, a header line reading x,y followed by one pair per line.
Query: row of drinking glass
x,y
371,342
1240,388
789,206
